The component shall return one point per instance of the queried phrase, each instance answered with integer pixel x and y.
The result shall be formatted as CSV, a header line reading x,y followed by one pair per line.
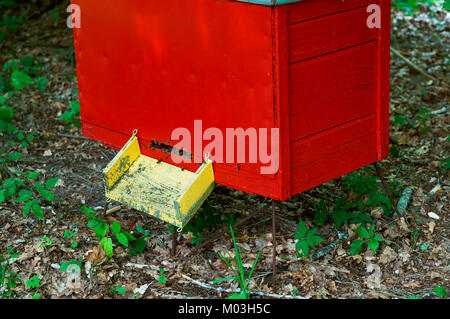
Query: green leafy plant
x,y
32,202
368,237
306,239
236,266
10,278
321,215
162,279
422,118
370,192
69,235
105,232
33,282
11,22
45,241
206,219
73,115
41,83
118,289
440,291
445,164
410,6
400,120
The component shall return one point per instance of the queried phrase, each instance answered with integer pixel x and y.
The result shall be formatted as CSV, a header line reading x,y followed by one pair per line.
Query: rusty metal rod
x,y
386,188
224,231
106,206
174,242
274,245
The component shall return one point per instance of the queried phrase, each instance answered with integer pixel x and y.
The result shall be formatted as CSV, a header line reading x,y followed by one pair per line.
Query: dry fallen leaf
x,y
97,256
388,255
373,281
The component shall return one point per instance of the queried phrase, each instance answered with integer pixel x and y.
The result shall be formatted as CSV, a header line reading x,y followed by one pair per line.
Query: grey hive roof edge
x,y
269,2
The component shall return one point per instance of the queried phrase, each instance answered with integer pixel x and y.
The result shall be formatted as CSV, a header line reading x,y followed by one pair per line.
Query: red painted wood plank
x,y
330,33
314,147
384,79
226,175
347,158
160,65
332,89
281,98
309,9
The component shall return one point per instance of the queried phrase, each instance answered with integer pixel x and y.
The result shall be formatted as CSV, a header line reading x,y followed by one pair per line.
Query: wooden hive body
x,y
313,69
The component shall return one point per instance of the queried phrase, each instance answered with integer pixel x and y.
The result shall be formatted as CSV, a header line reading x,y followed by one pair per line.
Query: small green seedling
x,y
440,291
162,279
33,283
373,241
307,239
45,242
236,266
118,289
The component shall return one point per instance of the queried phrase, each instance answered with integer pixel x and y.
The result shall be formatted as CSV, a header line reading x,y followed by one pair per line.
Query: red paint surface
x,y
159,65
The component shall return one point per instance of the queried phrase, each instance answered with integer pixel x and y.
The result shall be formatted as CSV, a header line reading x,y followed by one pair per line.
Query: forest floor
x,y
411,261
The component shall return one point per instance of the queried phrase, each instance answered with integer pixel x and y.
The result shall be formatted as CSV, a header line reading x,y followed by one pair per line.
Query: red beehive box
x,y
312,68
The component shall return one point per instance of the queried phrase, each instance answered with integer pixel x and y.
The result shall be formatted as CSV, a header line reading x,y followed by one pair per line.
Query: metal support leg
x,y
386,188
106,207
274,245
174,242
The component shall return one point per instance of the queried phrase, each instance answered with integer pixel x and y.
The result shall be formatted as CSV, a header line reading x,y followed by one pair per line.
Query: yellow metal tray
x,y
159,189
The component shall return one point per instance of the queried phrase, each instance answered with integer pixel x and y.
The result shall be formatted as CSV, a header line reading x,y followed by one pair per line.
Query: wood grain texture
x,y
343,160
310,9
319,145
281,98
327,34
332,89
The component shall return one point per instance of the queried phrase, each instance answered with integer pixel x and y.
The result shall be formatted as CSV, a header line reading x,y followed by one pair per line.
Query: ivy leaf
x,y
361,231
440,291
355,247
87,210
37,211
106,242
24,195
15,156
27,208
303,246
19,79
51,182
47,195
140,245
92,223
302,230
115,227
33,175
120,290
39,186
101,229
122,239
373,245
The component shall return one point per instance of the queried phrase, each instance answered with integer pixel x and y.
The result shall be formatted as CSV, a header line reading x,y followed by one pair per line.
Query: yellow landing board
x,y
159,189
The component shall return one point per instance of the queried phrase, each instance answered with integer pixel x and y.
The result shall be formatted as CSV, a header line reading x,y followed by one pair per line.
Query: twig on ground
x,y
74,136
412,65
258,293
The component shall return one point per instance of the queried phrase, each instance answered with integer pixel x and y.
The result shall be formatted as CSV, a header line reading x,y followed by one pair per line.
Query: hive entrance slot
x,y
166,148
